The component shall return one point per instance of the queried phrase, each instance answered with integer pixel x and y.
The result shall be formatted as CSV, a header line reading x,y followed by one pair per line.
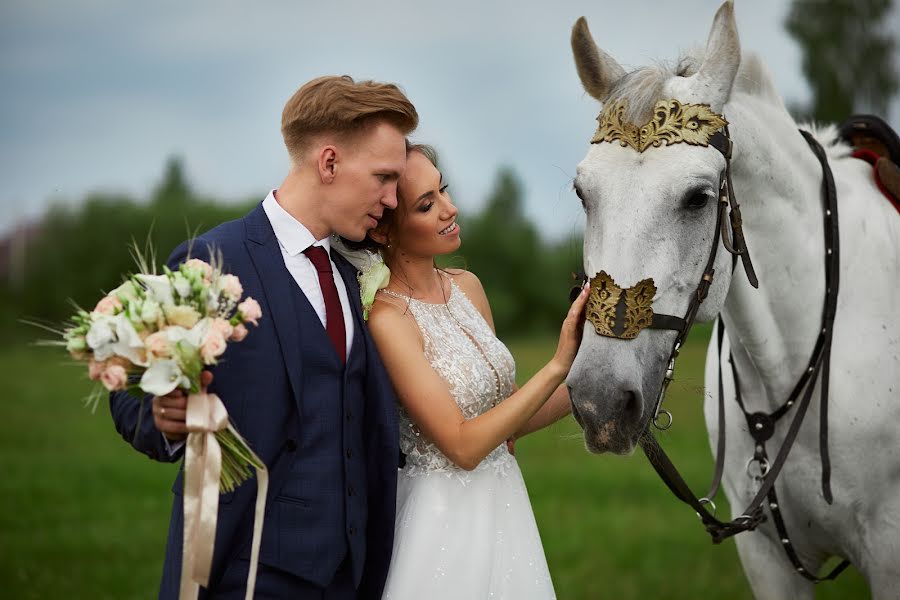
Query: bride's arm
x,y
426,397
558,406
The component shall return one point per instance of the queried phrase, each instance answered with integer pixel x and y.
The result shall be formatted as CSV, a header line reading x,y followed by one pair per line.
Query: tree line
x,y
82,251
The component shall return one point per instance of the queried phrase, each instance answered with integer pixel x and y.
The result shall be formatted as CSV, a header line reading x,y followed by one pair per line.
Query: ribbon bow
x,y
205,416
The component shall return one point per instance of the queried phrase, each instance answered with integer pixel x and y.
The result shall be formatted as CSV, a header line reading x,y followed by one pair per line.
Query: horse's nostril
x,y
633,408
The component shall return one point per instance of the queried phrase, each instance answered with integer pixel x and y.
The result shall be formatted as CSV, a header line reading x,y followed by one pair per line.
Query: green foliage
x,y
847,55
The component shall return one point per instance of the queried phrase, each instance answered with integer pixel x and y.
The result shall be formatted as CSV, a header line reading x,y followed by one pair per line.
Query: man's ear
x,y
326,164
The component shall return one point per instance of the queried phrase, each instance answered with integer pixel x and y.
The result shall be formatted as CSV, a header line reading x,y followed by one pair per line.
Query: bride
x,y
465,528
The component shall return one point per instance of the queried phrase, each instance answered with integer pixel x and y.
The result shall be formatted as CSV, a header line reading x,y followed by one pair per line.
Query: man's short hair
x,y
340,105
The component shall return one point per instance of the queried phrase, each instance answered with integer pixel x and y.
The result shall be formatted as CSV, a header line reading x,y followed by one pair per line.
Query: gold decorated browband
x,y
672,123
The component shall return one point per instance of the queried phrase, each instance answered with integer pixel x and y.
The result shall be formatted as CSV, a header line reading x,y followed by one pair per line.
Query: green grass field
x,y
82,515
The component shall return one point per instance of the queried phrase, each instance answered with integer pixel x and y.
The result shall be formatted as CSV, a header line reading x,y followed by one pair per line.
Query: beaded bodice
x,y
478,368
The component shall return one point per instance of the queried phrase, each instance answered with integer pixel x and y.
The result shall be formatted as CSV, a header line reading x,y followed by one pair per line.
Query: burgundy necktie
x,y
334,314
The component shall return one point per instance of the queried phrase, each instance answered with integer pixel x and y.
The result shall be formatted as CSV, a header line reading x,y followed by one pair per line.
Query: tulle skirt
x,y
467,535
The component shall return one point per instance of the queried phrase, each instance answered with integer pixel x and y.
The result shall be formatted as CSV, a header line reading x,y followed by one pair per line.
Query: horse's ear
x,y
598,70
723,57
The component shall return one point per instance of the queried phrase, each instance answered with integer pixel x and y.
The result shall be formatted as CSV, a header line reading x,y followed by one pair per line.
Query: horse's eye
x,y
696,200
578,192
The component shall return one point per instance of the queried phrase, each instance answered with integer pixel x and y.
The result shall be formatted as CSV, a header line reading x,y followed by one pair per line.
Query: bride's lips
x,y
375,220
451,229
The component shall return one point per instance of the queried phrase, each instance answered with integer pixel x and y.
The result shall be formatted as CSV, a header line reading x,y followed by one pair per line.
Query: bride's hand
x,y
570,335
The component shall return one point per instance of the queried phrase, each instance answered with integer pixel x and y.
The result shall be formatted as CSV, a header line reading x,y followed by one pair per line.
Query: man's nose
x,y
390,198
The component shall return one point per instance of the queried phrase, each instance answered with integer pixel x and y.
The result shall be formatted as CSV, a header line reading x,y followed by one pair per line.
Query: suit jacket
x,y
268,383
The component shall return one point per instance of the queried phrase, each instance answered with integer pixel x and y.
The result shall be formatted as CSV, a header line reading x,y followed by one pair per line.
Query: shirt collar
x,y
292,235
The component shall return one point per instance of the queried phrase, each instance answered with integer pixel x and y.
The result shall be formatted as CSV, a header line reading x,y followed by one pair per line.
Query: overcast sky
x,y
95,95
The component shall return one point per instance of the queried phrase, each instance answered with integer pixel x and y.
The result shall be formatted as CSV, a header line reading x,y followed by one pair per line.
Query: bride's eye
x,y
444,188
426,206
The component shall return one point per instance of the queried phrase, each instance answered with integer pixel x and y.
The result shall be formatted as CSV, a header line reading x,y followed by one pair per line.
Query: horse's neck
x,y
777,181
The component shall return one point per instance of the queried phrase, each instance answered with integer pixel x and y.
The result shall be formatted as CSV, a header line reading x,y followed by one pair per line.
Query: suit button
x,y
349,453
352,530
349,416
350,491
290,445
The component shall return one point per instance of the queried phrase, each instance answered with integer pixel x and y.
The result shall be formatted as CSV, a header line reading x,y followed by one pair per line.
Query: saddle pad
x,y
886,173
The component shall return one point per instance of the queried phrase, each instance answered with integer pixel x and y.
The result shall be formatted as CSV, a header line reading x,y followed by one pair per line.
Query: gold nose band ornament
x,y
620,313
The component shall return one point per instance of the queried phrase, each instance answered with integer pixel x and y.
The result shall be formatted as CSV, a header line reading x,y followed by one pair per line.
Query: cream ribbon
x,y
202,467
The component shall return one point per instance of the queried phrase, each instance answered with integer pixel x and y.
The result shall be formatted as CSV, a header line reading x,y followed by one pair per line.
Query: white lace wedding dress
x,y
463,535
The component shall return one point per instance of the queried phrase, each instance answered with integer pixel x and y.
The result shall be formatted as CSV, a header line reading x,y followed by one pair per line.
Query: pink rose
x,y
114,378
158,345
231,286
95,369
239,333
223,327
108,305
203,267
213,346
250,311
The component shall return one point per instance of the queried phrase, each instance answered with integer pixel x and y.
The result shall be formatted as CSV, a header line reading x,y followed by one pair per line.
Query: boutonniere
x,y
373,278
372,275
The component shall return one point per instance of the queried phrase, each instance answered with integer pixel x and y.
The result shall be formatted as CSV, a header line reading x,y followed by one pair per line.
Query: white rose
x,y
101,335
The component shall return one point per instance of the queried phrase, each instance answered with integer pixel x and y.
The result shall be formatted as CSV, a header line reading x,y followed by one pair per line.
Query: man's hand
x,y
169,411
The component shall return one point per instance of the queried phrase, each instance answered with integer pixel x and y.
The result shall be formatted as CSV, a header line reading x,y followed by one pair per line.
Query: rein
x,y
761,425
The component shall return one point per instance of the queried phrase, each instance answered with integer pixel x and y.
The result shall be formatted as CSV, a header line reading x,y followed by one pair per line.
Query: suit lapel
x,y
348,274
278,286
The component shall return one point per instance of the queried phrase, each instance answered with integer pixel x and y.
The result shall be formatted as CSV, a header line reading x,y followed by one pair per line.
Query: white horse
x,y
651,214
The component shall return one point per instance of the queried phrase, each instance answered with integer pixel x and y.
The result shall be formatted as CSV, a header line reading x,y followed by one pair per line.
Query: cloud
x,y
99,93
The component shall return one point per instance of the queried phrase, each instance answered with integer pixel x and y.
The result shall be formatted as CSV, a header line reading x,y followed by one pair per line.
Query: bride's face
x,y
428,226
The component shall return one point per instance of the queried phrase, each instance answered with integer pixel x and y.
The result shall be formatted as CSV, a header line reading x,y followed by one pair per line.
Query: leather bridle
x,y
761,425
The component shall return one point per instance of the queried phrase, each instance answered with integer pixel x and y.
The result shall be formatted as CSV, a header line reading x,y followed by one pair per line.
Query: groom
x,y
306,388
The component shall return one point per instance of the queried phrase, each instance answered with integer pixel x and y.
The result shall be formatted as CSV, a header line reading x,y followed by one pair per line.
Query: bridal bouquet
x,y
155,333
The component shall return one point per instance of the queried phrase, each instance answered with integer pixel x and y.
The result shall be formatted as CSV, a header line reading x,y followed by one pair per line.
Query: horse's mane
x,y
642,88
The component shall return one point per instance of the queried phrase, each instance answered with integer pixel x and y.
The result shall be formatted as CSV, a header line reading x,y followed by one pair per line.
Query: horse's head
x,y
651,213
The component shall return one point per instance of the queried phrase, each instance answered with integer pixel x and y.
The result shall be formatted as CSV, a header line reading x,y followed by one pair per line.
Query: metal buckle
x,y
763,467
667,424
706,500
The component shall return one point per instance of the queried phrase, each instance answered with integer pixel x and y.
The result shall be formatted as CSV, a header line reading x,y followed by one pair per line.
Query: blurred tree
x,y
83,252
173,190
526,279
848,56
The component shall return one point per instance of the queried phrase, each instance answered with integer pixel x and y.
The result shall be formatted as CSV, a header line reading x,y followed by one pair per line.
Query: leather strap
x,y
761,425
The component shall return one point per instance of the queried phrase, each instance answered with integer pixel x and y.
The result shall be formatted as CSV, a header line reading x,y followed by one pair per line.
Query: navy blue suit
x,y
327,431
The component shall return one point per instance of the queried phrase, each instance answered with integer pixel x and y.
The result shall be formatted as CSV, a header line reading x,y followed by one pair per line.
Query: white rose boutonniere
x,y
373,273
372,279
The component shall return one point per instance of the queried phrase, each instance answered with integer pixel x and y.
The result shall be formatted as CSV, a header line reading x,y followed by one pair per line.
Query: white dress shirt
x,y
293,238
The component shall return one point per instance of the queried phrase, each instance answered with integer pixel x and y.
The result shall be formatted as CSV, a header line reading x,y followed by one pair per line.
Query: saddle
x,y
877,144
